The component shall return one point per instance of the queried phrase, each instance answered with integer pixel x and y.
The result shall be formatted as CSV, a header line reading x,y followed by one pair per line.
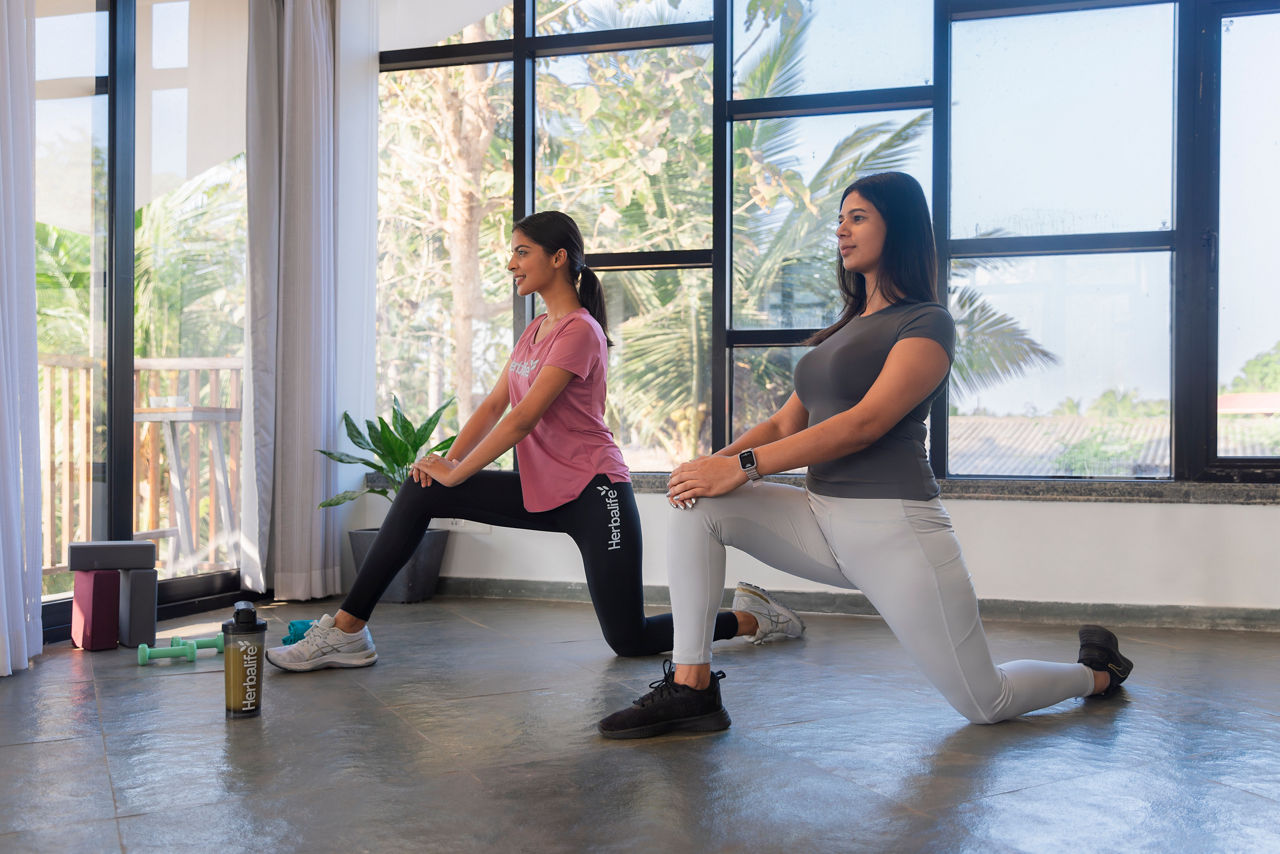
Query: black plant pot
x,y
416,580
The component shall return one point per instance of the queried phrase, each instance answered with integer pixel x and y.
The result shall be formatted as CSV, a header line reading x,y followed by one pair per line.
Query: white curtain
x,y
20,561
288,543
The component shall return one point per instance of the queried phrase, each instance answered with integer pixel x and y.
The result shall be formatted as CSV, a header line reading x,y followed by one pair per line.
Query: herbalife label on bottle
x,y
248,653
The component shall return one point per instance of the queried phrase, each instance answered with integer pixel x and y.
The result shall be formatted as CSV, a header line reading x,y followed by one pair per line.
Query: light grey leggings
x,y
902,555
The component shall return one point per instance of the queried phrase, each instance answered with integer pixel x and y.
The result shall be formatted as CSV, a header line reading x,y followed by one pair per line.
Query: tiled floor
x,y
475,732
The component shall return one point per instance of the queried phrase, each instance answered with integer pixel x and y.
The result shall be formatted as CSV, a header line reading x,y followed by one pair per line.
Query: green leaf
x,y
443,445
343,457
353,433
343,497
375,439
396,450
428,427
403,426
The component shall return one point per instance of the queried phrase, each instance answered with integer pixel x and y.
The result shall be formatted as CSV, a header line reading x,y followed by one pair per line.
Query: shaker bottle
x,y
244,637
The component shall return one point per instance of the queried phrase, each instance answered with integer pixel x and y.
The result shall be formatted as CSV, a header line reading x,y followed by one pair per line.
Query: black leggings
x,y
603,522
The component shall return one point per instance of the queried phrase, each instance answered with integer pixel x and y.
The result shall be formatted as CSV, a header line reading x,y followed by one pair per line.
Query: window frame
x,y
176,596
1191,240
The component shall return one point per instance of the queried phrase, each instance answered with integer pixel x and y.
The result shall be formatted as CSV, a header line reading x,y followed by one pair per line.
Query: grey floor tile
x,y
1163,806
475,732
54,783
89,837
718,793
48,711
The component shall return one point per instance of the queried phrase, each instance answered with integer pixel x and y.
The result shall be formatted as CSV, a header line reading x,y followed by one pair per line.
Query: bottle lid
x,y
245,619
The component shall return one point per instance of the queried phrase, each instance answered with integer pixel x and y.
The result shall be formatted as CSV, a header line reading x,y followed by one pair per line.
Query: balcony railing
x,y
188,411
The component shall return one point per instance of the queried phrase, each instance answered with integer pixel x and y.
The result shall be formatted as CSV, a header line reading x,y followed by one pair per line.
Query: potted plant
x,y
394,446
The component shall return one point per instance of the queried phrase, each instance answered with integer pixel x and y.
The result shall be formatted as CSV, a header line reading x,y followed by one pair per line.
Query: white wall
x,y
1207,555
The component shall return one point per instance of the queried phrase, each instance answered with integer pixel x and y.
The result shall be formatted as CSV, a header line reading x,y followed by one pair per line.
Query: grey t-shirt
x,y
836,374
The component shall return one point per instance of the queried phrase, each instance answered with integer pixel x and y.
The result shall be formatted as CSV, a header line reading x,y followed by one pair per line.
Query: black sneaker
x,y
1099,650
669,708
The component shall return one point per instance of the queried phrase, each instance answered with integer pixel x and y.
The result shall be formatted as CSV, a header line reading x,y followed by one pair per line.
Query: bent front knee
x,y
627,647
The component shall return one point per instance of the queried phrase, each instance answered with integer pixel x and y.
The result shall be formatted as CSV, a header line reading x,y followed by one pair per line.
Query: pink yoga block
x,y
95,609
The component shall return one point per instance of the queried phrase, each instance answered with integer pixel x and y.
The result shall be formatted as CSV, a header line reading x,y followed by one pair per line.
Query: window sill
x,y
1017,489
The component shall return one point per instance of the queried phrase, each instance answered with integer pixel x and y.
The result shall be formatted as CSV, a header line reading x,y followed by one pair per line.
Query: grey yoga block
x,y
111,554
137,607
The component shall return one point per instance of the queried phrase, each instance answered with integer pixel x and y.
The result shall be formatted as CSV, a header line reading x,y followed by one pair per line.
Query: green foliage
x,y
1099,455
1259,374
1069,406
63,277
1125,403
189,273
395,447
190,266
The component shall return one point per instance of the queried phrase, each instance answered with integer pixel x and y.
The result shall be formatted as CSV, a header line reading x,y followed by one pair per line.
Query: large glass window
x,y
1057,170
568,16
660,367
444,228
189,279
1248,300
763,379
1061,366
830,46
787,179
633,170
1063,123
70,198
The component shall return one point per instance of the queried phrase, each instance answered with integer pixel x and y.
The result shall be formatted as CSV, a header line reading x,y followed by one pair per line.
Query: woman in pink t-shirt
x,y
572,478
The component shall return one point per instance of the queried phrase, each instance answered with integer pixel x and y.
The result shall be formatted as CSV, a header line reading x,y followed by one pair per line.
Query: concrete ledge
x,y
1063,613
1017,489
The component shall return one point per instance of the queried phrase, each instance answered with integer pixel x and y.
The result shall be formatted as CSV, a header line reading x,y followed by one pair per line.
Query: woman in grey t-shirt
x,y
869,516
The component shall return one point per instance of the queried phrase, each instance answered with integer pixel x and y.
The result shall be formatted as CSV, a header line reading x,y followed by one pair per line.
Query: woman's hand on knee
x,y
433,468
705,476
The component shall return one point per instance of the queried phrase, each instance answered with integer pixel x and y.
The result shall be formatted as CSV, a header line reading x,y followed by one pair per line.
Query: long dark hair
x,y
553,231
909,261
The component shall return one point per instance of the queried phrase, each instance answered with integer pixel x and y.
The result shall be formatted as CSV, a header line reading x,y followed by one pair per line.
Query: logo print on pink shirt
x,y
523,369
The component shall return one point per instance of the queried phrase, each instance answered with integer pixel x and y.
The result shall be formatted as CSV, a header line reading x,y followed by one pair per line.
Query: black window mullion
x,y
121,124
938,412
1062,244
632,38
832,103
665,260
523,149
971,10
474,53
721,228
1196,371
1194,306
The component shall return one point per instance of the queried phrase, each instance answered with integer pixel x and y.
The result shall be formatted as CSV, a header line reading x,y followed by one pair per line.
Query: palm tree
x,y
781,259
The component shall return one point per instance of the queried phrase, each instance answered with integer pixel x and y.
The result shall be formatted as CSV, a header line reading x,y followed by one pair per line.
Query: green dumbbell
x,y
215,642
146,653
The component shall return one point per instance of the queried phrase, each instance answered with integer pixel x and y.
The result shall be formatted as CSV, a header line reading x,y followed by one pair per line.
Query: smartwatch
x,y
747,460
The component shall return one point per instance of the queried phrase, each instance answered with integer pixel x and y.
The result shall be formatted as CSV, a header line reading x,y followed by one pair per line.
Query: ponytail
x,y
591,295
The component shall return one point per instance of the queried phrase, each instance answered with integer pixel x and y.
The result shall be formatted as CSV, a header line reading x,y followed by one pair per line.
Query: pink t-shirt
x,y
570,444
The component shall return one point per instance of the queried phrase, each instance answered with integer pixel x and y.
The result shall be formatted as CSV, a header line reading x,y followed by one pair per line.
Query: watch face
x,y
747,459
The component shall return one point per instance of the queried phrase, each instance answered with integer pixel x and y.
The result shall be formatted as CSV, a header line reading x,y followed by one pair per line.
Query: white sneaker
x,y
326,645
775,619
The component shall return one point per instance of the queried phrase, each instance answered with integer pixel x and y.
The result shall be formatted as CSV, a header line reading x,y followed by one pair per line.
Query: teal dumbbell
x,y
146,653
215,642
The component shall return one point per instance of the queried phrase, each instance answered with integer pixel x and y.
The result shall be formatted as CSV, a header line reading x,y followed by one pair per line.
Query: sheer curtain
x,y
20,560
289,406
